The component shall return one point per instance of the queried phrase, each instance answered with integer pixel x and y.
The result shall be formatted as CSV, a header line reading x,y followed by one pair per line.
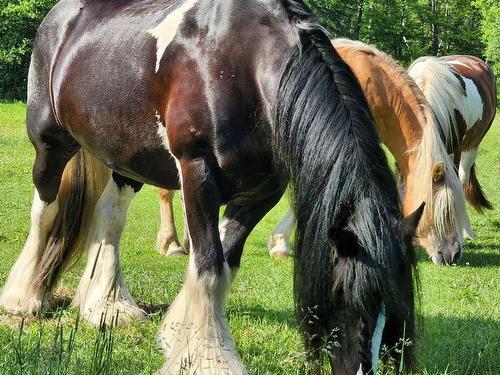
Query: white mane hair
x,y
445,210
438,81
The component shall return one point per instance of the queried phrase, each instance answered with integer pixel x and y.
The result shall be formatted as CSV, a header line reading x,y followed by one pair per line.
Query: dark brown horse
x,y
227,100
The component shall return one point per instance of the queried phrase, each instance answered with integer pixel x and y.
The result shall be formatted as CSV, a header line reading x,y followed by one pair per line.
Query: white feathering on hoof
x,y
18,294
195,334
102,295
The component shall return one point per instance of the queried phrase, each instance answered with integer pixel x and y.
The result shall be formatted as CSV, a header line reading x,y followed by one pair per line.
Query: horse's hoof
x,y
119,313
279,252
23,304
175,250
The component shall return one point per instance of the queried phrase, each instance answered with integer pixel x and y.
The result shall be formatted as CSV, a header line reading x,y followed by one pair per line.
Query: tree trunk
x,y
359,19
433,5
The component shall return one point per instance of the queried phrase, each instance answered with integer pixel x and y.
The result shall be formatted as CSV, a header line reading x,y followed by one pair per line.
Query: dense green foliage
x,y
490,10
19,20
460,306
406,29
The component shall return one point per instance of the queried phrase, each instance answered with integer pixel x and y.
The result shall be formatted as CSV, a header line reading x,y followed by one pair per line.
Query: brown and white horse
x,y
229,101
462,92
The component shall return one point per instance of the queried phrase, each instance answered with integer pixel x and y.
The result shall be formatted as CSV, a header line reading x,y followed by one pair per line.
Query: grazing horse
x,y
406,125
462,92
228,101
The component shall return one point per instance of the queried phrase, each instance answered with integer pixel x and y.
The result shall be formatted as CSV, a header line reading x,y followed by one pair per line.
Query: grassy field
x,y
460,305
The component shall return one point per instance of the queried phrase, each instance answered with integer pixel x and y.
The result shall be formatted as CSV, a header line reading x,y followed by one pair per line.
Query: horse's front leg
x,y
102,295
167,242
195,334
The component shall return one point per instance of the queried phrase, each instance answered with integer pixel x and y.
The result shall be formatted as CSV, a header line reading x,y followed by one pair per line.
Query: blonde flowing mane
x,y
437,79
445,209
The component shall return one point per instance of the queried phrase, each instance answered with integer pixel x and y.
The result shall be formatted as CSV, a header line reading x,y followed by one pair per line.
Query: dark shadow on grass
x,y
495,224
54,307
422,255
481,255
460,345
64,303
153,309
474,255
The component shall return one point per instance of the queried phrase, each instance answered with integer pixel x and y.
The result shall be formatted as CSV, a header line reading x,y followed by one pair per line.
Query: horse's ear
x,y
344,241
410,223
438,172
340,236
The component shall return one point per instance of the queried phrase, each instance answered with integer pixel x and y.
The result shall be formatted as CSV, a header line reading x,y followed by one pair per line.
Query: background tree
x,y
405,29
19,20
490,26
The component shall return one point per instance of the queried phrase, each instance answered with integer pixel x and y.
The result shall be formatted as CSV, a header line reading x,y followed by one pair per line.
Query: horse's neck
x,y
395,110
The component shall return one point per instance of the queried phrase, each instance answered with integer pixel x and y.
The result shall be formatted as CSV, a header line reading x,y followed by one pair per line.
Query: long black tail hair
x,y
350,251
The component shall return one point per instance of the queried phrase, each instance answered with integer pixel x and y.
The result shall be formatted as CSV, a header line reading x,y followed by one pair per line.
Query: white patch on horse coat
x,y
195,334
474,103
443,91
102,293
377,338
467,160
222,229
166,30
32,81
360,370
162,131
17,294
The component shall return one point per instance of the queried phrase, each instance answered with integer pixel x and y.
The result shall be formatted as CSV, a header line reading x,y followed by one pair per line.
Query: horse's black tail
x,y
349,252
82,183
474,192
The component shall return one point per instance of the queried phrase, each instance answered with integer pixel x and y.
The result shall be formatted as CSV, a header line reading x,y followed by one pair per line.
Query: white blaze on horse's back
x,y
165,31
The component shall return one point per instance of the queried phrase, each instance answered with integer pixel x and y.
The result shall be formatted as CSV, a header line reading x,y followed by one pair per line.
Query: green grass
x,y
460,305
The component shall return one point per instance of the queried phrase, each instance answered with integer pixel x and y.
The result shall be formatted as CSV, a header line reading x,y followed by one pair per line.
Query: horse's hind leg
x,y
195,334
102,295
240,218
278,243
467,160
54,148
167,242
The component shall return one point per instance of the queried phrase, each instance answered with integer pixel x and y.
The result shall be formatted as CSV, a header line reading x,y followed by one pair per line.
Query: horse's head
x,y
387,318
432,178
441,229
